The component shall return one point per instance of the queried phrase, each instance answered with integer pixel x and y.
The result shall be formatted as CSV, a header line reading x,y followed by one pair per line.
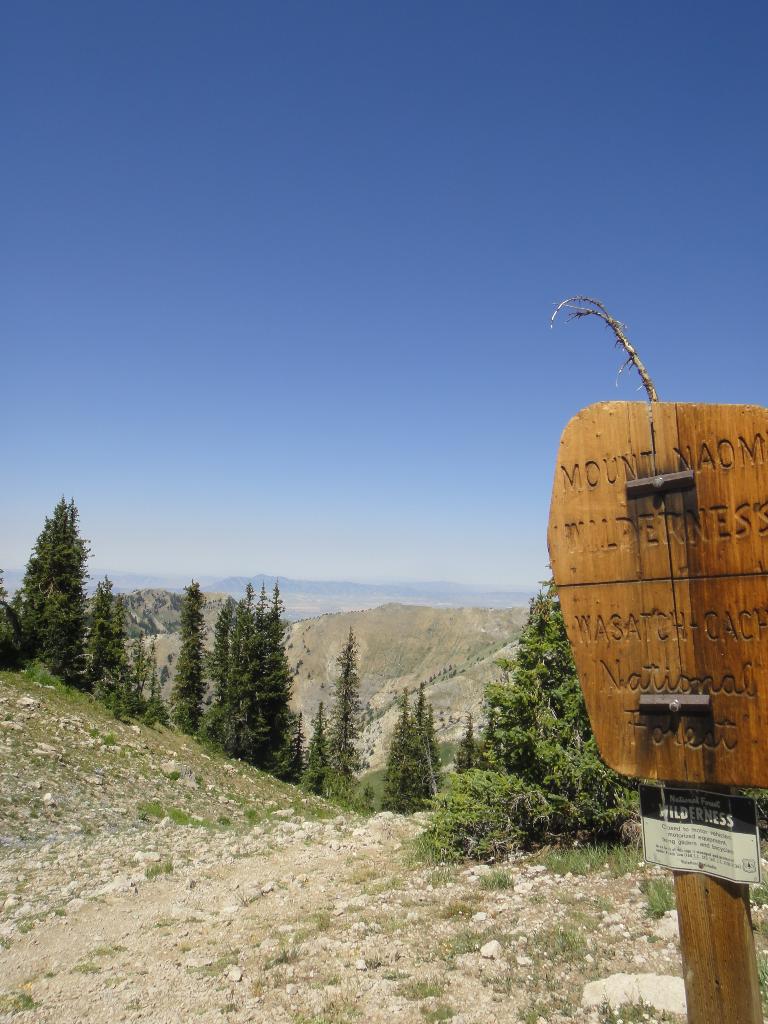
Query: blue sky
x,y
277,277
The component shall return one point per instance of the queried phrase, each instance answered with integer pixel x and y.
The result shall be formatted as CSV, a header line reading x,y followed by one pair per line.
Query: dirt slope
x,y
183,887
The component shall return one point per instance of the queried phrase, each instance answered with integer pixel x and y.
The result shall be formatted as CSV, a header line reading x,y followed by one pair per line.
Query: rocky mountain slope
x,y
144,880
452,650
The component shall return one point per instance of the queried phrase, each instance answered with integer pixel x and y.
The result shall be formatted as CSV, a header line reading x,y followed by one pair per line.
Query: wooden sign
x,y
658,539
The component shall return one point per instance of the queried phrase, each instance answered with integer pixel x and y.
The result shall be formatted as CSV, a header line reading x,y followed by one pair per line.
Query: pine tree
x,y
275,689
345,717
318,764
466,756
189,685
542,778
219,660
298,752
105,650
430,772
131,701
155,712
10,631
52,599
402,785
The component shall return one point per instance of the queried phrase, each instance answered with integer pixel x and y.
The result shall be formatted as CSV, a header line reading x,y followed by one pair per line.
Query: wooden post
x,y
718,950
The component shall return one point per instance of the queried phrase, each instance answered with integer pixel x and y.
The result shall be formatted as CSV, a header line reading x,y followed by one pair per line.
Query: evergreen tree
x,y
430,772
545,779
219,660
155,712
105,649
275,688
10,631
345,718
189,685
318,764
131,702
52,600
298,752
466,755
402,781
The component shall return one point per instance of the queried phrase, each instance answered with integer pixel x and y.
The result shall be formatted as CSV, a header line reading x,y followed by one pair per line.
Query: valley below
x,y
452,650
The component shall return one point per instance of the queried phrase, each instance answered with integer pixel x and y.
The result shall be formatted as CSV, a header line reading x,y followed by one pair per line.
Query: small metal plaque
x,y
697,830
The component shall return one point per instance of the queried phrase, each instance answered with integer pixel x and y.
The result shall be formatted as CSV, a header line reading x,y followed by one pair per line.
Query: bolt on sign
x,y
658,539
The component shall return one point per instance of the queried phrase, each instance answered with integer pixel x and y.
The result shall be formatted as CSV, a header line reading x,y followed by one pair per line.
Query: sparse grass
x,y
496,879
424,851
165,868
588,860
150,809
286,955
457,908
465,941
16,1002
442,1012
86,967
218,966
561,942
107,950
762,977
363,872
630,1013
441,876
759,894
109,739
424,988
659,896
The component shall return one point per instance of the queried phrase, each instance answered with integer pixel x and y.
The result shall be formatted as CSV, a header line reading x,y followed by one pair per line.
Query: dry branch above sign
x,y
658,538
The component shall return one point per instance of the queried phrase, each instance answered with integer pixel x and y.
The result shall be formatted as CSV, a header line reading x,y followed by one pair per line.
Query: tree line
x,y
237,696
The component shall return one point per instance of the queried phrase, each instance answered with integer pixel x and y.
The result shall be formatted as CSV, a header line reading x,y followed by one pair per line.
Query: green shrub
x,y
541,776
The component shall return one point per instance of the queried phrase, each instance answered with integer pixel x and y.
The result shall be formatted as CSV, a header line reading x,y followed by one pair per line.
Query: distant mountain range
x,y
307,598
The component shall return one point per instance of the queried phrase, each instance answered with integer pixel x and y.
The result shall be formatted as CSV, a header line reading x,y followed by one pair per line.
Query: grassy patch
x,y
441,876
630,1013
150,809
562,943
16,1002
588,860
165,868
759,894
496,879
659,896
421,988
86,967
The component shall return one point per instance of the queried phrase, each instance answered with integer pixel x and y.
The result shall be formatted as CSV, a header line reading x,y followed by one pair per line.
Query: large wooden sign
x,y
658,538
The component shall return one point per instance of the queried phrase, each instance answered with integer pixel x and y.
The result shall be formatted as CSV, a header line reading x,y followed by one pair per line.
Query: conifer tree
x,y
275,689
466,756
105,650
10,630
52,599
219,661
402,789
298,753
430,772
189,685
131,702
345,717
318,764
155,712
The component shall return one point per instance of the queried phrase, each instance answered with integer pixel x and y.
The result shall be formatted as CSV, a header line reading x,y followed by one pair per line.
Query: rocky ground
x,y
142,879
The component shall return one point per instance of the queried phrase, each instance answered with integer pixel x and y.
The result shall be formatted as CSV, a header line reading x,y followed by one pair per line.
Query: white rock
x,y
522,960
147,857
361,965
660,991
491,950
479,917
666,927
234,973
49,800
